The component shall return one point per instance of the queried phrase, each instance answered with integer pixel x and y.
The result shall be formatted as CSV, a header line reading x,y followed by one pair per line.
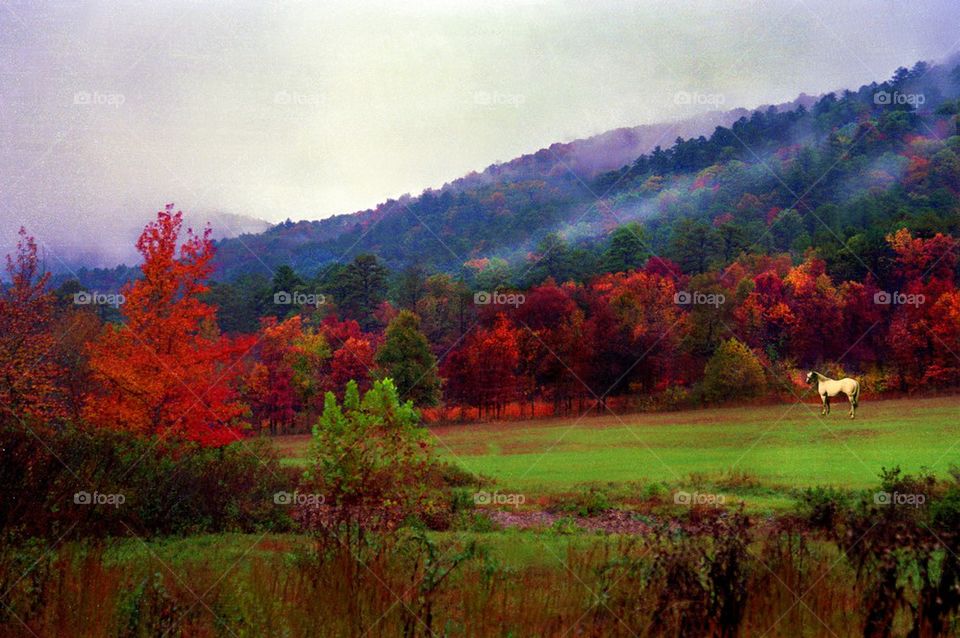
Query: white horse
x,y
827,387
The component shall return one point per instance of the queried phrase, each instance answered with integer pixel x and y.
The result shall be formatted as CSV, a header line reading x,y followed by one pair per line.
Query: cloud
x,y
278,109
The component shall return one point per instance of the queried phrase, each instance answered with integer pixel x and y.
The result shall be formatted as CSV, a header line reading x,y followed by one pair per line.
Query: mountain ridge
x,y
301,243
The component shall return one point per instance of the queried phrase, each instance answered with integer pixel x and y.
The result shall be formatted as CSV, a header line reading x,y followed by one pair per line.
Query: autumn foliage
x,y
165,369
648,336
29,374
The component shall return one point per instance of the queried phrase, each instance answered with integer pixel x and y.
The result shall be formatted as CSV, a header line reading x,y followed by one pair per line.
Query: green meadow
x,y
762,453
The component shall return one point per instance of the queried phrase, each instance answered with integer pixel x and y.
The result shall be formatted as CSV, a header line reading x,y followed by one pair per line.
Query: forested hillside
x,y
794,238
502,210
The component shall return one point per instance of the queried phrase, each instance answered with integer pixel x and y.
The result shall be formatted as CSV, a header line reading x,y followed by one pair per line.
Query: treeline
x,y
654,336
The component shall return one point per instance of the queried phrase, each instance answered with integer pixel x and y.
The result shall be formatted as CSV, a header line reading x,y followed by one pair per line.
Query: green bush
x,y
733,372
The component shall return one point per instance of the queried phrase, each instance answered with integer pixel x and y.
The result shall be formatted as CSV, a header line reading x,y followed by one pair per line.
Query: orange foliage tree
x,y
166,370
28,371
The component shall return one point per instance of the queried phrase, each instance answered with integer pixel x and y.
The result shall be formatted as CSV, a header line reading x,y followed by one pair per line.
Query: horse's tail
x,y
856,394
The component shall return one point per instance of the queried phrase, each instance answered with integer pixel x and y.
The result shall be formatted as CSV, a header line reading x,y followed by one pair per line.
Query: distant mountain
x,y
66,261
117,243
521,198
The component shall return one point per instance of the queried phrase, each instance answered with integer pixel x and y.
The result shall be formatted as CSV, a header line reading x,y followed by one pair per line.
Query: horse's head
x,y
811,377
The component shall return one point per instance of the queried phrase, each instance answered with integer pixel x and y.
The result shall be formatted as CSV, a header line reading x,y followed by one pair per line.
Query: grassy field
x,y
777,448
541,579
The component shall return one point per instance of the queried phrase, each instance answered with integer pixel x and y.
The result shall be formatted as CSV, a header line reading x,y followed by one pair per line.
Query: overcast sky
x,y
300,109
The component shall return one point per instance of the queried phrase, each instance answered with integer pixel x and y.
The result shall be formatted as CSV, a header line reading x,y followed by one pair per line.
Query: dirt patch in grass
x,y
608,522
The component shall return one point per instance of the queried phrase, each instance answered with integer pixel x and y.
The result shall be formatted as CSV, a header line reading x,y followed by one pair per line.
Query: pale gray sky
x,y
290,108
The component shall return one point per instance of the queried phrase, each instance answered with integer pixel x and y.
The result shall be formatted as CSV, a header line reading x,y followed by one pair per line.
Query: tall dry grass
x,y
710,585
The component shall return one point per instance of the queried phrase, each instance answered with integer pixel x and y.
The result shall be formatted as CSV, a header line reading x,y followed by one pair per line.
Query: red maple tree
x,y
166,370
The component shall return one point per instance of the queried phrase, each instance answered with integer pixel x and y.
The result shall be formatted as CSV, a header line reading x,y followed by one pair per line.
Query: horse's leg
x,y
826,405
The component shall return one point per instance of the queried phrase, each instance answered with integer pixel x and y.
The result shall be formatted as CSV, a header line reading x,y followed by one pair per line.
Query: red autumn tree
x,y
642,345
815,305
945,369
354,361
920,326
764,319
166,370
28,371
550,340
271,384
484,370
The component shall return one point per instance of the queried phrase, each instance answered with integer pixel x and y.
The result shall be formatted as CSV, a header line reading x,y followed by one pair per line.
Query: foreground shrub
x,y
97,483
372,468
903,542
686,585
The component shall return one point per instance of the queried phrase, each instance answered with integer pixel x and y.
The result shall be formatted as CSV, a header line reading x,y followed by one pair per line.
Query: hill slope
x,y
498,211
